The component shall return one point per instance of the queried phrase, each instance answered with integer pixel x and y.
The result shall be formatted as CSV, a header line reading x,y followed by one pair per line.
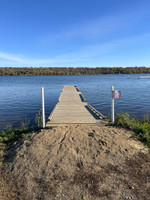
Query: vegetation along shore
x,y
21,71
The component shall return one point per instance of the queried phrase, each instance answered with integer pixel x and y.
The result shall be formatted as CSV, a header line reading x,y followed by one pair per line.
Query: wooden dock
x,y
72,108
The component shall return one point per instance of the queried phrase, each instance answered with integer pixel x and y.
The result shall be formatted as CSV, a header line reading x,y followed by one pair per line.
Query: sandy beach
x,y
77,162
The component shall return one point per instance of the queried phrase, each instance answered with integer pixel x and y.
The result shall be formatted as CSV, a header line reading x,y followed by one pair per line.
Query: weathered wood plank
x,y
72,108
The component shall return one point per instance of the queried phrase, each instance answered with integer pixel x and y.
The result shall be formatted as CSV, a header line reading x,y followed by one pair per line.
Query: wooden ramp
x,y
72,108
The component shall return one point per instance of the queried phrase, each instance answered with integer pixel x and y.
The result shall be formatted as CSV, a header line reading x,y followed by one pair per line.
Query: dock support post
x,y
112,105
43,109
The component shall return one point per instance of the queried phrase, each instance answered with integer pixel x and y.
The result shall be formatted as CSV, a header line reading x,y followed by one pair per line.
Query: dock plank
x,y
71,108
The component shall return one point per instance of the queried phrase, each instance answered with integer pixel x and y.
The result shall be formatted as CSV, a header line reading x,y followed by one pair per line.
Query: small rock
x,y
128,198
131,187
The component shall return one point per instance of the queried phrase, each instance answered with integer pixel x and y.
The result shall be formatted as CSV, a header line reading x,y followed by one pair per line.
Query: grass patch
x,y
14,134
140,126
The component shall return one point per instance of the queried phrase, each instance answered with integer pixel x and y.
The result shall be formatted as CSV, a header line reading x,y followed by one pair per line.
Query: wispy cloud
x,y
84,54
10,57
91,51
107,24
20,59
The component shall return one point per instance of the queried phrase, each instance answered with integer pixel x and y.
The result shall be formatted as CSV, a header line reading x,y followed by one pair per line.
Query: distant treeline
x,y
21,71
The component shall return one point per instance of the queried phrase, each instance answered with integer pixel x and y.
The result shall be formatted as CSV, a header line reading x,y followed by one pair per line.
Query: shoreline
x,y
72,70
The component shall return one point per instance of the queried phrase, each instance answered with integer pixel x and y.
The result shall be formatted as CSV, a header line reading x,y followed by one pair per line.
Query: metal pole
x,y
112,106
43,109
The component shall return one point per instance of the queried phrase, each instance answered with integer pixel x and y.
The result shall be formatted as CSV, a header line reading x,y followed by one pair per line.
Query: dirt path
x,y
79,162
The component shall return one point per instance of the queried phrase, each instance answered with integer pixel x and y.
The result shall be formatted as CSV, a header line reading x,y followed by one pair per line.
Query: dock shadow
x,y
82,98
92,113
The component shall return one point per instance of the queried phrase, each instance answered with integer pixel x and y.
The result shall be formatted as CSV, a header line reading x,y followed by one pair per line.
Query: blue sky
x,y
78,33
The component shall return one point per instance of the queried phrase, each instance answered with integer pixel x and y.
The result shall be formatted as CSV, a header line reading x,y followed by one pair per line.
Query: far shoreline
x,y
34,71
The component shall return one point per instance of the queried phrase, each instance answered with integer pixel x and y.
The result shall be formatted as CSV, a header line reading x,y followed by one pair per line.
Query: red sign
x,y
116,94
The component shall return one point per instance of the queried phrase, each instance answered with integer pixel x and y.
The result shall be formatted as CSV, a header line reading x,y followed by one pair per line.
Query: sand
x,y
78,162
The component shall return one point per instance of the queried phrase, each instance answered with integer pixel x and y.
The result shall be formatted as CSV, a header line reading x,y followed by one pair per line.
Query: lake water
x,y
20,96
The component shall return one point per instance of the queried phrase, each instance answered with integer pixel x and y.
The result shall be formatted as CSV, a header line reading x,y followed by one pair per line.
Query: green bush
x,y
13,134
141,127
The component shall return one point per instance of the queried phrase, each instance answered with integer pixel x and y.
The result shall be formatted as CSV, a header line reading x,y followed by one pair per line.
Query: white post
x,y
112,106
43,109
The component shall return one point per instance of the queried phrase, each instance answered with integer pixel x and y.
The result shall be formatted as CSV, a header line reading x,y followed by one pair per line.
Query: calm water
x,y
20,96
